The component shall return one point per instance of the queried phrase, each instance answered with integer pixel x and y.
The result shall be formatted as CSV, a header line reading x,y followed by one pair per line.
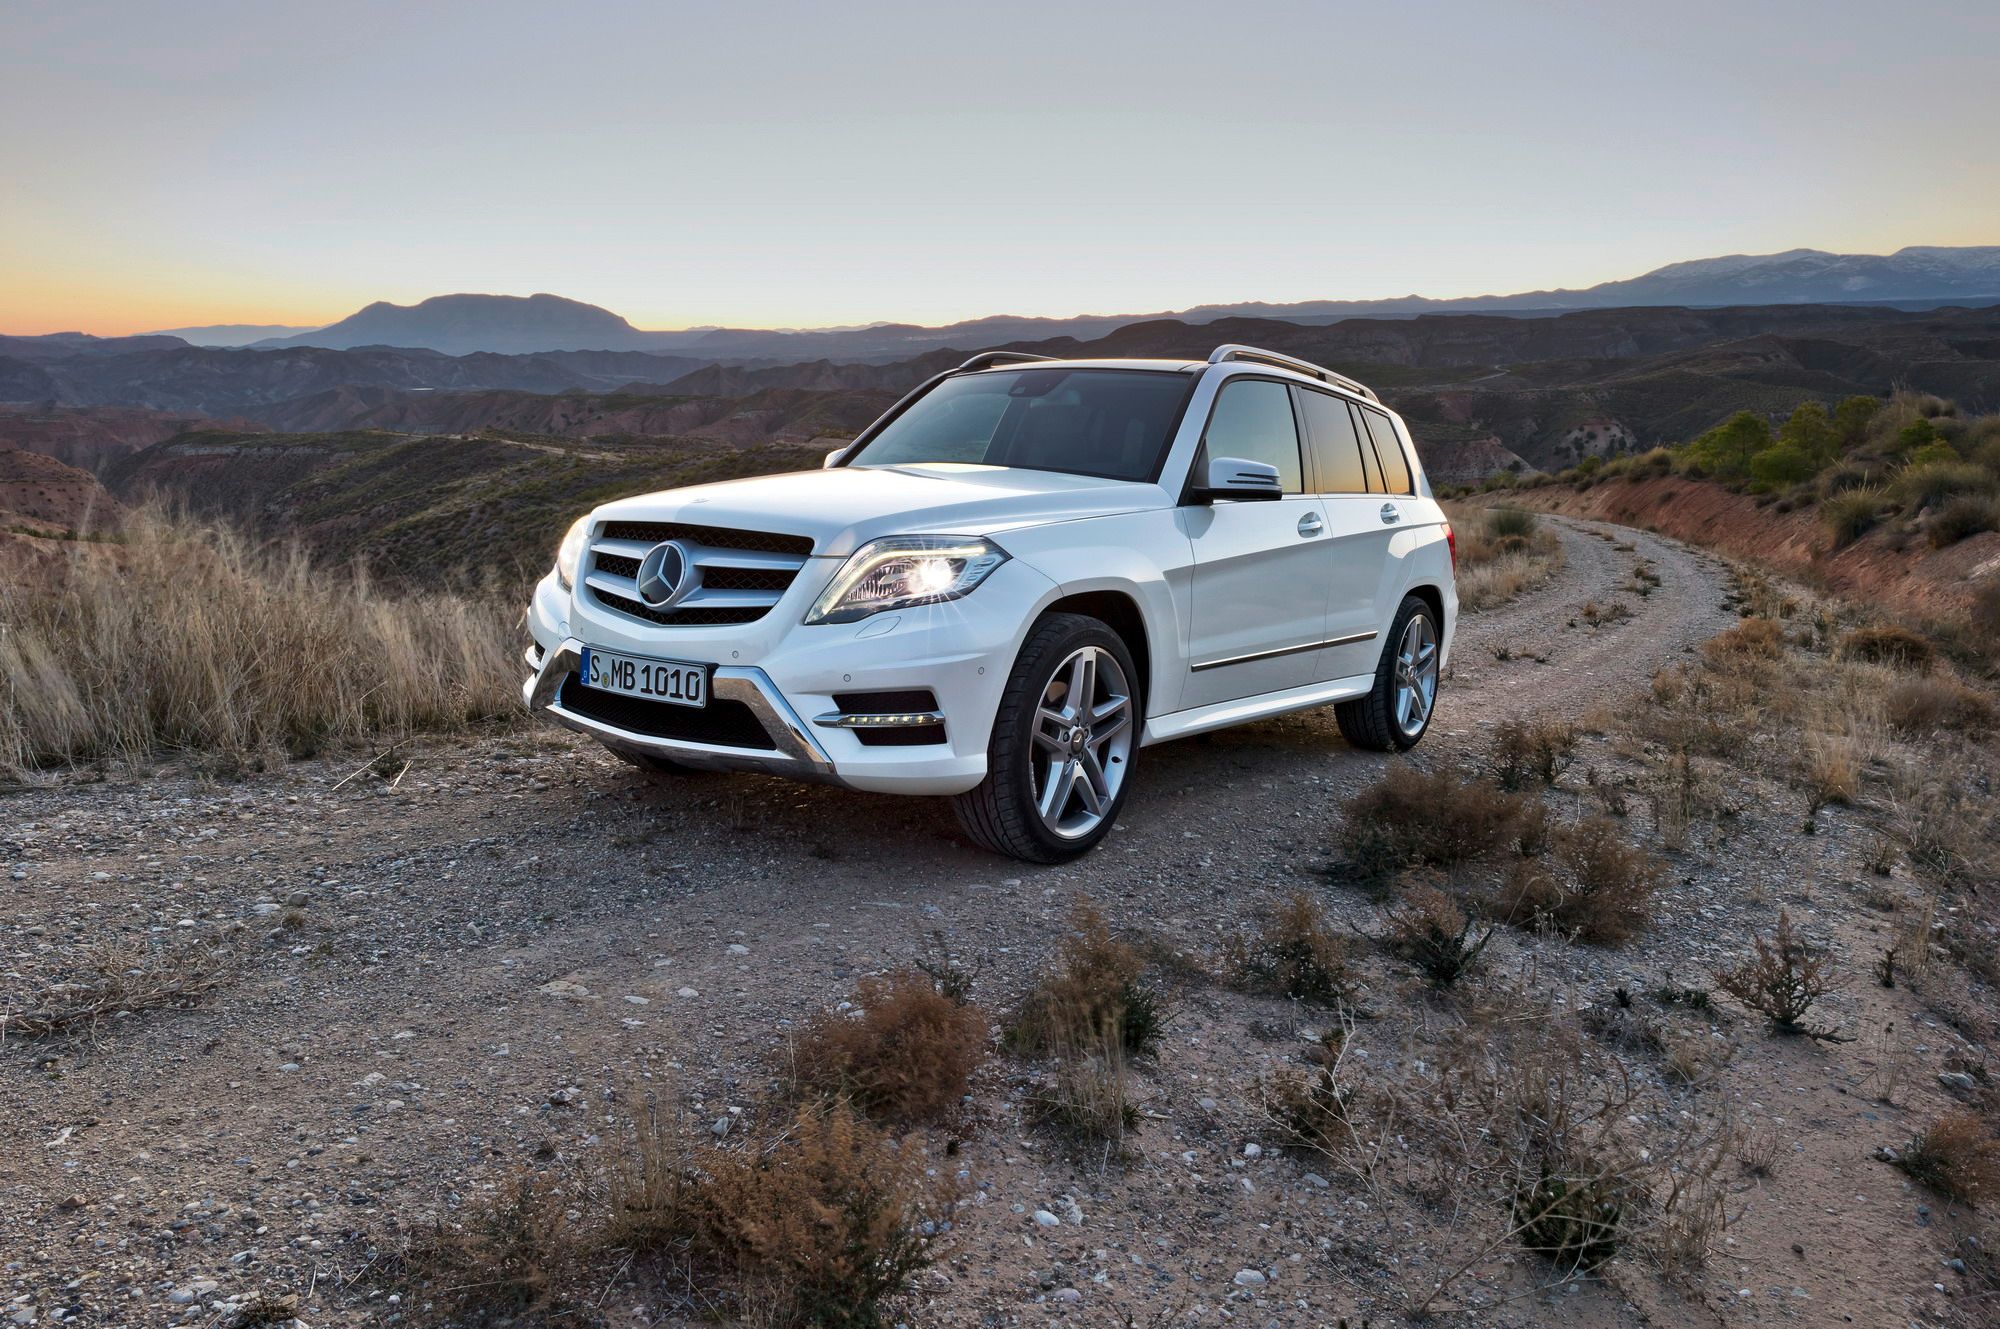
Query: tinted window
x,y
1395,466
1253,420
1104,422
1335,446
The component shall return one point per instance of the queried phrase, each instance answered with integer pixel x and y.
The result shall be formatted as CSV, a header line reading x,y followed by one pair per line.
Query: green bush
x,y
1917,434
1930,484
1960,517
1727,449
1782,466
1851,420
1503,522
1810,433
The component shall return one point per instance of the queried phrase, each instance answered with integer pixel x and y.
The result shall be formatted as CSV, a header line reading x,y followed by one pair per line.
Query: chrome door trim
x,y
1282,650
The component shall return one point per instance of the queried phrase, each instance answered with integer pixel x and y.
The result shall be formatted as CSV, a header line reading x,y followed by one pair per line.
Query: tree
x,y
1783,465
1810,431
1851,419
1726,450
1916,434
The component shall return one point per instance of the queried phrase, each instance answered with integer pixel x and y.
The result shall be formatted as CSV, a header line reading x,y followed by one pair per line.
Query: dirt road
x,y
443,974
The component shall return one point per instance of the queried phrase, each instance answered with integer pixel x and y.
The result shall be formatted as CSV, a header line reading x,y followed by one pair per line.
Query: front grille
x,y
742,573
724,722
715,537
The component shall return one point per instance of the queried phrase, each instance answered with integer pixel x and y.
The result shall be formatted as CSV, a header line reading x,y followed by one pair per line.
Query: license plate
x,y
672,681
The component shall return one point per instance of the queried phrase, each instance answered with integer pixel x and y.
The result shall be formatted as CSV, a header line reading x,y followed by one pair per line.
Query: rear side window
x,y
1395,466
1253,420
1336,447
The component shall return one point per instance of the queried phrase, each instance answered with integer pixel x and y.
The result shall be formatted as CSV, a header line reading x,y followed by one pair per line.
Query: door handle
x,y
1390,515
1310,525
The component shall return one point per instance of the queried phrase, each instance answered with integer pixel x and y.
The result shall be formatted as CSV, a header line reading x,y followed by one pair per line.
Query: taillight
x,y
1451,543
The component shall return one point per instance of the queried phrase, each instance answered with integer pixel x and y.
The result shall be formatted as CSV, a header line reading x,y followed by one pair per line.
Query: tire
x,y
665,768
1042,741
1384,720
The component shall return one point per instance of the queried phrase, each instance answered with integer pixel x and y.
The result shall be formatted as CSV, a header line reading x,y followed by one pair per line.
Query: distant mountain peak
x,y
468,322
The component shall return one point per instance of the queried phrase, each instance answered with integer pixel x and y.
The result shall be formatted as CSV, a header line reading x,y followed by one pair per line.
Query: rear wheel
x,y
1397,710
1060,759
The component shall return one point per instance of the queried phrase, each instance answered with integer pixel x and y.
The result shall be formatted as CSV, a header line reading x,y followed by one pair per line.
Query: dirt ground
x,y
447,970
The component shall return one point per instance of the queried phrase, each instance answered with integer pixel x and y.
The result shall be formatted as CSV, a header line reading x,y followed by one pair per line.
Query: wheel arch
x,y
1119,611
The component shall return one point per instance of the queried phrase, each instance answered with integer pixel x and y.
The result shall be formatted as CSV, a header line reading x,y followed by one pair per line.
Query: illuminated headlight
x,y
905,570
570,553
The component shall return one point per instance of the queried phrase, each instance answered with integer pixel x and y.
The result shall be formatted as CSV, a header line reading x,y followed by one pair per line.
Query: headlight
x,y
905,570
570,553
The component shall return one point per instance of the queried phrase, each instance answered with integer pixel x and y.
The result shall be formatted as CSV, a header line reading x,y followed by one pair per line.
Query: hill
x,y
91,438
40,493
463,324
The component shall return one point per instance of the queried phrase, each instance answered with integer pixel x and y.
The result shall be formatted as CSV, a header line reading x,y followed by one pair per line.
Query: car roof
x,y
1157,366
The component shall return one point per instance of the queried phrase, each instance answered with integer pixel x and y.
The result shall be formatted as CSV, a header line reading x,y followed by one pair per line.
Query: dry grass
x,y
1957,1157
186,637
1087,1095
511,1255
1414,818
1783,979
1314,1110
1920,707
1752,639
906,1054
1431,931
1593,887
1527,752
821,1222
120,979
1890,645
1501,553
1093,985
1295,954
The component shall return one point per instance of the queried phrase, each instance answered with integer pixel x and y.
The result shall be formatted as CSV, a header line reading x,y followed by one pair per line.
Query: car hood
x,y
844,508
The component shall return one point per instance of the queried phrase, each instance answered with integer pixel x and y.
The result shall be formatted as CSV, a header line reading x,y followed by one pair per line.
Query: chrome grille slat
x,y
752,569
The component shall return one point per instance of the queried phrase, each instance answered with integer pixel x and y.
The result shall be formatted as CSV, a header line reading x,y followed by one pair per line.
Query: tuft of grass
x,y
1783,979
1295,954
1315,1110
1087,1096
1962,517
1889,644
187,637
906,1055
1428,819
511,1254
1752,639
1501,553
1932,705
1094,984
1852,513
1931,483
121,978
1528,752
1957,1157
1431,931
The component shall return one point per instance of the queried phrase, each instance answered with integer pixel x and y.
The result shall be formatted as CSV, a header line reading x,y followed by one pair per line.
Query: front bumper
x,y
789,677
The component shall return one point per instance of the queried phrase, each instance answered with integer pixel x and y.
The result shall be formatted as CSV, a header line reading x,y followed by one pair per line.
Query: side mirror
x,y
1236,479
833,457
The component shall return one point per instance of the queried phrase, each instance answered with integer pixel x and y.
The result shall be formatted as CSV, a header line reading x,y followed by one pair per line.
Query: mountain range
x,y
1919,276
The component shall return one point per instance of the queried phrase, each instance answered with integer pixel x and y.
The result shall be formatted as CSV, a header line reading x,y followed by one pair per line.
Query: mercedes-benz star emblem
x,y
667,575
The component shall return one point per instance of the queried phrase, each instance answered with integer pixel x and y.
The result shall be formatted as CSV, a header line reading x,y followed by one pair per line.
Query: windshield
x,y
1113,423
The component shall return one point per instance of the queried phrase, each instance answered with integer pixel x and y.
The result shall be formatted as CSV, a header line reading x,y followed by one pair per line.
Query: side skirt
x,y
1222,714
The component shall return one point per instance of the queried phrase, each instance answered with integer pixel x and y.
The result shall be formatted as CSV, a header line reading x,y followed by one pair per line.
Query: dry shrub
x,y
1093,985
907,1054
1889,645
1428,819
1295,954
1431,931
1782,980
1315,1110
1956,1157
1960,518
514,1254
1832,770
188,637
1597,889
1945,820
1931,705
1087,1096
1752,639
824,1224
1501,553
1529,751
124,977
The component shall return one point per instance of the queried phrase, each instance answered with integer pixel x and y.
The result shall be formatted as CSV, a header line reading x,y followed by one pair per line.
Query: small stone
x,y
634,1000
563,987
1253,1151
1958,1080
1043,1218
1206,1104
721,1126
1249,1278
1069,1294
688,992
70,1202
738,948
1316,1181
289,1067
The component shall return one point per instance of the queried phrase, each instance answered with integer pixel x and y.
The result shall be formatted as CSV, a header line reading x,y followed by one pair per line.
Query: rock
x,y
1249,1278
738,948
1316,1181
565,1096
563,987
688,992
632,999
1206,1104
721,1126
1043,1218
1253,1151
1958,1080
1069,1294
70,1202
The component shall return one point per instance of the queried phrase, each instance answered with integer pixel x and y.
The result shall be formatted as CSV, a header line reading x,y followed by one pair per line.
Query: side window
x,y
1336,447
1253,420
1395,466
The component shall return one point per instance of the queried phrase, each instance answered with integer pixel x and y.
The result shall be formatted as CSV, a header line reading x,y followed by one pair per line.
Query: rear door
x,y
1351,487
1258,612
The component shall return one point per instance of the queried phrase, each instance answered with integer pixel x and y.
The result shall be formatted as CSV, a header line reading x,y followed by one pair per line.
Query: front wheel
x,y
1397,710
1060,759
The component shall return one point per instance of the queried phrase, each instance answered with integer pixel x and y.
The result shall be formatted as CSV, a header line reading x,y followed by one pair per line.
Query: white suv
x,y
1024,572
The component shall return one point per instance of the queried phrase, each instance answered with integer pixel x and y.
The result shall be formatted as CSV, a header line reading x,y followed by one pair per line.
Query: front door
x,y
1259,589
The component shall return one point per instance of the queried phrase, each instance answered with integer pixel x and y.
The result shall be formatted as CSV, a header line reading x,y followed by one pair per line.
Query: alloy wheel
x,y
1416,676
1083,742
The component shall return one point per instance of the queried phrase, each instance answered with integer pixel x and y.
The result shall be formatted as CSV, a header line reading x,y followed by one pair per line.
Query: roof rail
x,y
986,359
1234,351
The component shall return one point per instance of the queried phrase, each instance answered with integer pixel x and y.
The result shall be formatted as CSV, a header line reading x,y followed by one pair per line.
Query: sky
x,y
783,165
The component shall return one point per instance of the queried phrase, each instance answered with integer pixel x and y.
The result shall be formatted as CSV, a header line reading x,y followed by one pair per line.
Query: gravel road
x,y
444,974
